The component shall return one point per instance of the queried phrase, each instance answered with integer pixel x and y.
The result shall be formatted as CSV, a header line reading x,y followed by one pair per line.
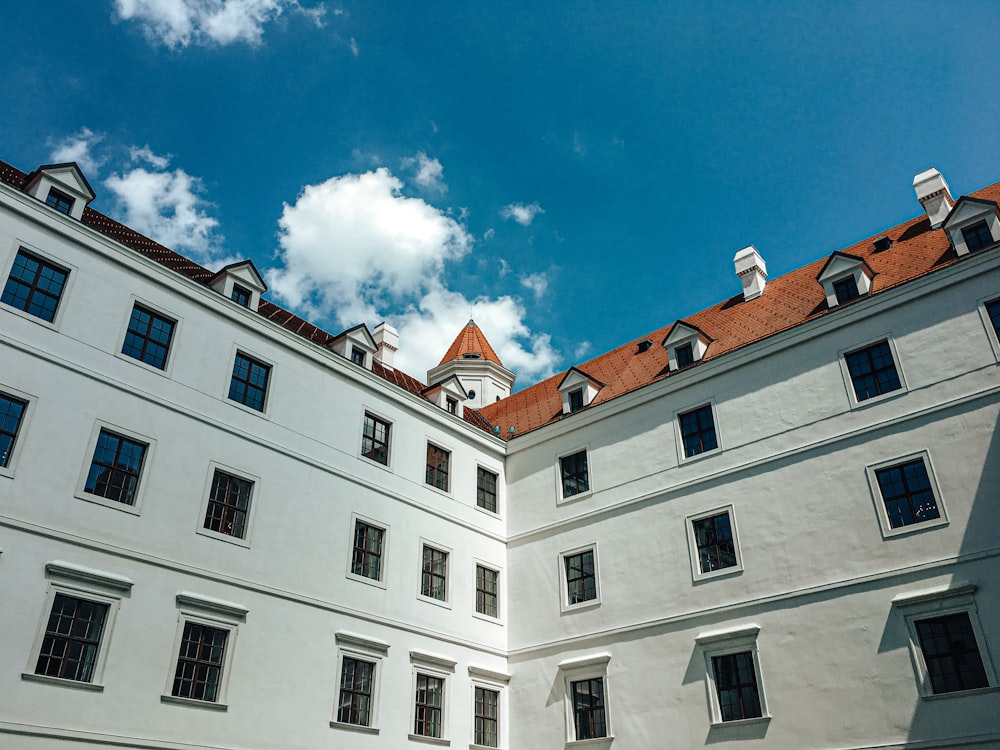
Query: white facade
x,y
821,593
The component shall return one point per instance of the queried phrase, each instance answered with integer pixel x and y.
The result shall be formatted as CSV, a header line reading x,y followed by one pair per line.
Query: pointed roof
x,y
470,341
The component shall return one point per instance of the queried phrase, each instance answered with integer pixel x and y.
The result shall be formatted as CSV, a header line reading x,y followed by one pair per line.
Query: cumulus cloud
x,y
78,147
178,23
537,283
521,213
429,173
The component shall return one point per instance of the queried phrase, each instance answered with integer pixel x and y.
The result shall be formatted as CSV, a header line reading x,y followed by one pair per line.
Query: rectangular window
x,y
367,558
486,717
993,310
249,383
486,591
736,686
951,653
486,490
358,355
59,201
228,505
685,355
451,404
581,577
356,681
873,371
241,295
199,664
375,440
429,703
34,286
11,416
846,290
907,493
576,399
148,337
698,431
575,477
438,460
715,544
116,468
72,638
977,236
589,717
434,574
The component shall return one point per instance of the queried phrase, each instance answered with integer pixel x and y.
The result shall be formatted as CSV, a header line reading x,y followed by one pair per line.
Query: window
x,y
116,467
576,399
59,201
733,672
249,383
580,567
72,638
241,295
685,355
356,680
11,416
977,236
993,311
573,471
437,467
714,548
428,705
486,490
228,505
872,371
148,337
366,560
358,355
451,404
375,440
846,290
34,286
486,591
200,662
434,574
486,716
906,494
586,685
698,431
589,718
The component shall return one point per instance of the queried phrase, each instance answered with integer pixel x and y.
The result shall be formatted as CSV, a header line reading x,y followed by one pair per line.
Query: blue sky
x,y
573,175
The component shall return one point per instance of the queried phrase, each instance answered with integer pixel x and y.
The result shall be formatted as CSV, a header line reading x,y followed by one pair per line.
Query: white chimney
x,y
752,270
386,342
934,195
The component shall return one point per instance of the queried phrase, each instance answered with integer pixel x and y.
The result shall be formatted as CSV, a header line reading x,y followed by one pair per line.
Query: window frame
x,y
20,435
448,453
737,640
992,334
980,245
174,335
449,561
560,488
849,380
496,490
594,667
357,518
881,512
69,269
437,667
360,648
213,467
377,418
88,461
564,602
477,564
241,295
682,456
56,198
240,351
689,521
488,679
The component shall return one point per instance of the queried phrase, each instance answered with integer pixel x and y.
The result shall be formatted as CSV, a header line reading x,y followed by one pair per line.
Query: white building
x,y
770,524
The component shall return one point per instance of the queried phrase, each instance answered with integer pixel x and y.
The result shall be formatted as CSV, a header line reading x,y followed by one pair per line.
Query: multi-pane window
x,y
736,686
358,355
698,431
241,295
148,337
72,639
228,504
576,399
59,201
685,355
11,415
907,493
951,653
993,310
249,383
199,664
486,716
873,371
438,460
428,706
977,236
434,574
356,679
451,404
486,490
589,718
575,478
713,538
486,590
116,467
367,557
846,290
34,286
581,577
375,440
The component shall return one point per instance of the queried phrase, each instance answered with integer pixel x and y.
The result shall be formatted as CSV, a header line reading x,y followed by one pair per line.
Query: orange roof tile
x,y
470,340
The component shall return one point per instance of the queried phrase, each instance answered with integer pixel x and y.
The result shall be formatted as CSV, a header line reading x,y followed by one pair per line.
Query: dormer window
x,y
578,390
59,201
576,399
241,295
447,394
685,355
355,344
451,404
685,345
62,187
358,355
977,236
845,290
844,278
972,225
240,282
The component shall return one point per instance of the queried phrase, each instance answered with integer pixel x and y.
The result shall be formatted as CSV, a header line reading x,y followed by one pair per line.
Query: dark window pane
x,y
581,577
714,539
977,236
34,286
11,414
356,677
429,699
438,460
698,431
72,639
240,295
685,355
576,399
951,653
486,490
59,201
736,686
486,715
486,591
588,709
907,494
993,310
115,469
148,337
249,383
199,664
846,290
228,504
375,440
367,557
873,371
434,574
574,474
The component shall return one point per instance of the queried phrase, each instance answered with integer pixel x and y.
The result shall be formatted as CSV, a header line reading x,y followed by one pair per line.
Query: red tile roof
x,y
470,340
788,301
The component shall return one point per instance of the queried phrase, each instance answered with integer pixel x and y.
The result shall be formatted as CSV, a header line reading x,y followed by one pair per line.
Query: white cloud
x,y
79,148
429,172
582,350
354,47
178,23
489,234
521,213
537,283
146,154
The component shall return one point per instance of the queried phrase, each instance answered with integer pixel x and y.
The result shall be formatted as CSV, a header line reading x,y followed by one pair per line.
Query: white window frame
x,y
71,270
22,430
578,669
441,667
952,598
560,497
723,643
449,564
206,495
363,648
481,677
271,374
498,513
880,510
849,383
367,412
380,582
564,605
991,334
682,457
696,572
174,336
86,583
81,492
476,564
213,613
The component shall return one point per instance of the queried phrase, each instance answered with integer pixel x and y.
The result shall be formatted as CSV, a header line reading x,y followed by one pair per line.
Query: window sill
x,y
113,504
487,618
34,318
224,537
742,722
354,727
444,604
262,413
580,607
959,693
193,703
162,371
567,499
94,687
855,404
429,740
366,580
597,742
716,574
698,456
913,528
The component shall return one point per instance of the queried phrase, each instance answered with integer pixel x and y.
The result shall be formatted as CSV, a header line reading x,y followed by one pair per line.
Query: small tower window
x,y
241,295
59,201
846,290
